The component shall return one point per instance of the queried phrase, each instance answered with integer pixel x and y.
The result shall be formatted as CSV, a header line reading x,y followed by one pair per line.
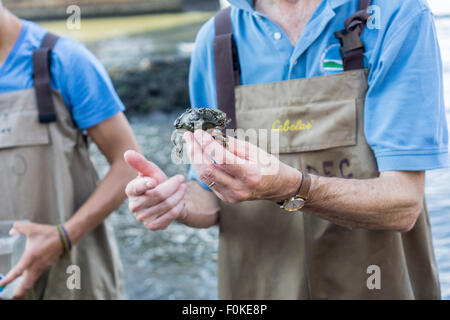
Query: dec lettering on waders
x,y
265,253
46,176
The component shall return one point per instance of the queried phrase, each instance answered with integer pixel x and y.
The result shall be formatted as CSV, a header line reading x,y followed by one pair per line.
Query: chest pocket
x,y
292,127
21,129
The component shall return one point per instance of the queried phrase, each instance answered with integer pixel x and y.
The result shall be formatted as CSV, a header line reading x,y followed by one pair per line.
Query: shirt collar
x,y
247,5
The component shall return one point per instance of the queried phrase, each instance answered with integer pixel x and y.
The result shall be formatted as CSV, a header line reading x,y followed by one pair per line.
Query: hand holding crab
x,y
239,172
208,119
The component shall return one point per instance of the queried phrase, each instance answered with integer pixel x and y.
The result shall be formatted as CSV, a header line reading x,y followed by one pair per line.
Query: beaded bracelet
x,y
64,237
69,243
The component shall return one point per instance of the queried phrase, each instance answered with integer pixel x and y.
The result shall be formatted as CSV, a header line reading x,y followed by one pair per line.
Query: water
x,y
438,182
440,7
180,263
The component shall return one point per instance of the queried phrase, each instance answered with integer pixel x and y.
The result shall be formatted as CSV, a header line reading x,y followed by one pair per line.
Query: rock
x,y
160,85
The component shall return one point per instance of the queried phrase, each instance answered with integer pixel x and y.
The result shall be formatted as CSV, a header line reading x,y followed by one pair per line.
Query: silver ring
x,y
211,185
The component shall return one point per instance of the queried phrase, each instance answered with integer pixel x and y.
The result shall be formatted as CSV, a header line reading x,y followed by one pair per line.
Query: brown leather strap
x,y
226,65
305,185
352,48
303,189
41,66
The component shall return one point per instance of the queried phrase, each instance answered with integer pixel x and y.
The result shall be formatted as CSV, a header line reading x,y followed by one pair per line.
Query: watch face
x,y
294,204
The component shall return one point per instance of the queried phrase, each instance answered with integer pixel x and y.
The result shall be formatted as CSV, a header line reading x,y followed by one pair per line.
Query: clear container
x,y
11,249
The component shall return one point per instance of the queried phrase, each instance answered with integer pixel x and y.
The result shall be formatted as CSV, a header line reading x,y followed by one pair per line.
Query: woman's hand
x,y
155,200
242,171
43,248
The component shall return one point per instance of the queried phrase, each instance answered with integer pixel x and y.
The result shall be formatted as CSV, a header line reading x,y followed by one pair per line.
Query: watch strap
x,y
303,191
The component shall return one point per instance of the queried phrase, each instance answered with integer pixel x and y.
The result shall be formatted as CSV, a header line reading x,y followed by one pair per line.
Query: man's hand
x,y
155,200
243,172
43,248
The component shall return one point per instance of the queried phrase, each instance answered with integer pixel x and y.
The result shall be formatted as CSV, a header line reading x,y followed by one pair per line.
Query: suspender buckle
x,y
350,40
47,117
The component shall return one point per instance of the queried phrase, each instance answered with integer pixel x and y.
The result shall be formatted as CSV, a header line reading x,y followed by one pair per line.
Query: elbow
x,y
408,217
405,199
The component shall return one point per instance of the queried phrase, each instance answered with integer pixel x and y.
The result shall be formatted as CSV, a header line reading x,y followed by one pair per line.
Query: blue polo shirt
x,y
81,79
404,120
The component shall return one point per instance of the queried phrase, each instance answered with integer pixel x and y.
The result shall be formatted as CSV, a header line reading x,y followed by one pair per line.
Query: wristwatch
x,y
297,202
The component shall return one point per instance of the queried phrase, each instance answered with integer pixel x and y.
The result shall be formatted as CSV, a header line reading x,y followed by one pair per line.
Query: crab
x,y
208,119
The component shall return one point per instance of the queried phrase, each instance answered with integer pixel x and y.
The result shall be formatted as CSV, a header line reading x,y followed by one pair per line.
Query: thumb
x,y
147,168
20,227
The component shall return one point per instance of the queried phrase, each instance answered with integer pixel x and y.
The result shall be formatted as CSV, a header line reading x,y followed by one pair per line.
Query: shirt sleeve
x,y
201,78
405,120
84,84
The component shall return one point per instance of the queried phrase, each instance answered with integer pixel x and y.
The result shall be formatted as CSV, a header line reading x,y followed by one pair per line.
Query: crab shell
x,y
201,118
208,119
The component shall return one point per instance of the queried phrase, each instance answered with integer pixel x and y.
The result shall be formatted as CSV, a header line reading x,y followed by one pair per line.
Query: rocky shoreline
x,y
162,86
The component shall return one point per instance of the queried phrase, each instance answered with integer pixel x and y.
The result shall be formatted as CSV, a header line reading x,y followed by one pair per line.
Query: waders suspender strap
x,y
352,48
226,64
41,77
226,60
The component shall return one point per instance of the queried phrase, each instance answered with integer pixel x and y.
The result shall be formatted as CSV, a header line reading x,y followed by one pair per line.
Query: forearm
x,y
107,197
391,202
201,207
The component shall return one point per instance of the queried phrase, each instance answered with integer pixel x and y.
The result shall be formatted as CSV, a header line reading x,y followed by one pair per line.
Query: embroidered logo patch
x,y
331,60
278,125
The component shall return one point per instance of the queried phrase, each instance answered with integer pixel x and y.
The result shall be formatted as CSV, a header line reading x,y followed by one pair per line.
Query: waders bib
x,y
267,253
46,176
